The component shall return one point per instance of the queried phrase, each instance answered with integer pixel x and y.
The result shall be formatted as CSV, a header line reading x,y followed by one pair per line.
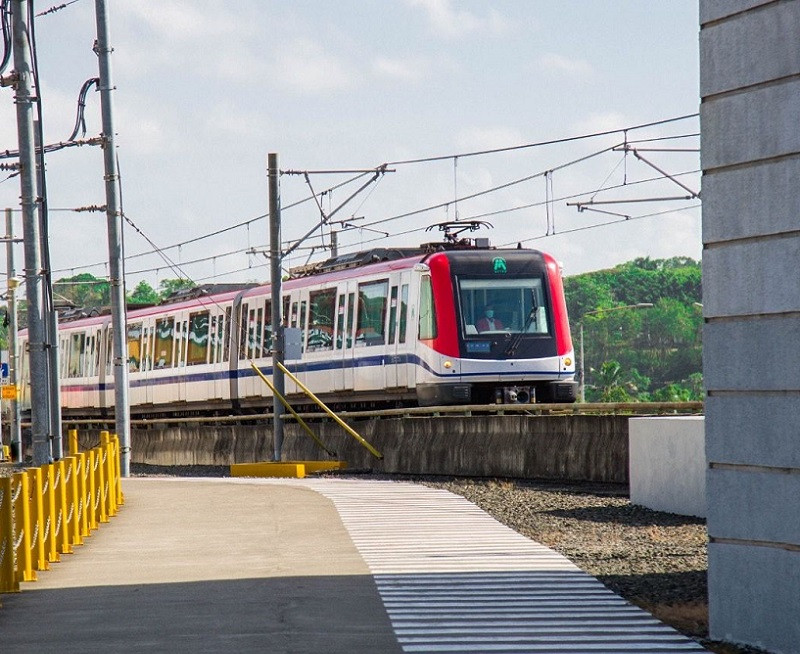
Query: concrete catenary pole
x,y
40,420
15,424
115,251
278,343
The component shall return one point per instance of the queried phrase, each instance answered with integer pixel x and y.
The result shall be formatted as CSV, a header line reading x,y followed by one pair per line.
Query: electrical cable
x,y
5,26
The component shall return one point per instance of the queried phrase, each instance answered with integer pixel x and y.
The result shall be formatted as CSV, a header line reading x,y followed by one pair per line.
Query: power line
x,y
568,139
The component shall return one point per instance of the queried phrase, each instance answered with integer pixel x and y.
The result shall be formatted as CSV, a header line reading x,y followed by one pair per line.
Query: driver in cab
x,y
489,323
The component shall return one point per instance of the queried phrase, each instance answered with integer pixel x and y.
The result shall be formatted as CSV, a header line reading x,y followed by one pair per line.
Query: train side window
x,y
165,339
77,345
181,329
320,327
98,346
393,315
64,345
88,369
197,351
372,304
285,312
134,346
293,319
212,340
427,310
266,348
110,351
340,322
351,309
147,348
403,312
243,317
226,334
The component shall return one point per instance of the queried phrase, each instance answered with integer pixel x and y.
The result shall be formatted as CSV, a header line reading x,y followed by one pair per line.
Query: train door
x,y
343,339
397,348
181,336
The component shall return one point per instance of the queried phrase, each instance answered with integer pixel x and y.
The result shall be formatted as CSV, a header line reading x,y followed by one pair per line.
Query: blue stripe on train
x,y
311,366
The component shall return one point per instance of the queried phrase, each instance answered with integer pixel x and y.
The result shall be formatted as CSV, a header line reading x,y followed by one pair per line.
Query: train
x,y
378,328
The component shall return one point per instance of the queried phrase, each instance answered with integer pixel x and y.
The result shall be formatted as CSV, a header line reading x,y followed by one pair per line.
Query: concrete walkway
x,y
318,565
205,566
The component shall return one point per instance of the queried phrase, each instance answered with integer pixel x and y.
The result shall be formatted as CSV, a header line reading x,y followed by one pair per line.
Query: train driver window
x,y
510,305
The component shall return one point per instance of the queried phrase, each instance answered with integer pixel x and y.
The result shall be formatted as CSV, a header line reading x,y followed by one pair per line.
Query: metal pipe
x,y
15,427
341,422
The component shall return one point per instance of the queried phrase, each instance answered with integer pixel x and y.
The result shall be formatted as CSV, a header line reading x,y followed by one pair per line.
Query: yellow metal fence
x,y
45,511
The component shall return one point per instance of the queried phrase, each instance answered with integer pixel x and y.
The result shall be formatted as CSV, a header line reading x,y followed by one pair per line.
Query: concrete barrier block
x,y
752,354
755,430
711,10
729,66
753,201
667,464
757,124
751,586
760,505
750,278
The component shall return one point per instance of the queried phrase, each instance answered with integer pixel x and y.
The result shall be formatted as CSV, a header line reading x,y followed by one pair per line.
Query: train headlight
x,y
448,364
568,362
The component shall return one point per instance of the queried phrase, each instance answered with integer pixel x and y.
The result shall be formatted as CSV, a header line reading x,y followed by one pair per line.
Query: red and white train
x,y
381,328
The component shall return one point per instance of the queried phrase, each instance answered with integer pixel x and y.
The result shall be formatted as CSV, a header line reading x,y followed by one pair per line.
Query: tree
x,y
84,290
169,286
144,294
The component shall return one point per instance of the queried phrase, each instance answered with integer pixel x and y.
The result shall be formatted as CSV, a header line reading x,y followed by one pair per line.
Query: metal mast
x,y
115,251
13,362
278,343
40,420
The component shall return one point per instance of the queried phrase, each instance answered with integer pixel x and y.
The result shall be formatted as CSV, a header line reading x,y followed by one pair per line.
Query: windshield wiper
x,y
511,348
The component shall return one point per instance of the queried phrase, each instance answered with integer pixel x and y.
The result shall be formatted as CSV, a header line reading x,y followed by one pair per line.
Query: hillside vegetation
x,y
639,353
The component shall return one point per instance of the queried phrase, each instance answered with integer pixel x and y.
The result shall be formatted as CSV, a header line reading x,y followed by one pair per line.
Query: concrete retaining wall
x,y
668,464
590,448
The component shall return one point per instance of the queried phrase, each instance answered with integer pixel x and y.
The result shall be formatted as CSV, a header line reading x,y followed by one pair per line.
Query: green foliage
x,y
637,353
144,294
169,286
84,290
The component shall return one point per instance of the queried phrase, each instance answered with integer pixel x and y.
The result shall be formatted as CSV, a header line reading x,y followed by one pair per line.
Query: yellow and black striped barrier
x,y
46,511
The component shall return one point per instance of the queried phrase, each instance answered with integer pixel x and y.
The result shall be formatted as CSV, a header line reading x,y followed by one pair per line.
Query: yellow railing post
x,y
91,491
73,501
111,484
22,527
8,577
83,503
118,467
73,442
62,529
100,479
37,517
50,513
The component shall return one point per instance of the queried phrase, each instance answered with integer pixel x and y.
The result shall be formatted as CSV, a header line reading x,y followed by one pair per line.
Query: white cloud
x,y
185,21
305,67
560,64
488,138
451,22
409,70
602,122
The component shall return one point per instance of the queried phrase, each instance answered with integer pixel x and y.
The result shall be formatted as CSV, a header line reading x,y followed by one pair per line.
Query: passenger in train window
x,y
489,323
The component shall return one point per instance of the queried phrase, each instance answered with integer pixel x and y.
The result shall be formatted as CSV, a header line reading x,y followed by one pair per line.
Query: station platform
x,y
317,565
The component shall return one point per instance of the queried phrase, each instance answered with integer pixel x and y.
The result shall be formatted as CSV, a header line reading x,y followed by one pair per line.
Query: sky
x,y
205,90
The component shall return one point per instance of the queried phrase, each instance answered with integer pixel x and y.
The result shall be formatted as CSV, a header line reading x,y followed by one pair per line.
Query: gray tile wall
x,y
750,123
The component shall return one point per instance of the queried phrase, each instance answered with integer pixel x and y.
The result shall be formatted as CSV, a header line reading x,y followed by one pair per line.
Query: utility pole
x,y
278,341
15,425
50,314
40,422
115,250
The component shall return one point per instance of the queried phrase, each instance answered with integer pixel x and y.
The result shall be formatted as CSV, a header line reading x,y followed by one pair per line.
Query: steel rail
x,y
585,408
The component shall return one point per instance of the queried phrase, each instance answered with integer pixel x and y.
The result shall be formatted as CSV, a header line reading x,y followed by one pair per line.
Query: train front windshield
x,y
508,305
